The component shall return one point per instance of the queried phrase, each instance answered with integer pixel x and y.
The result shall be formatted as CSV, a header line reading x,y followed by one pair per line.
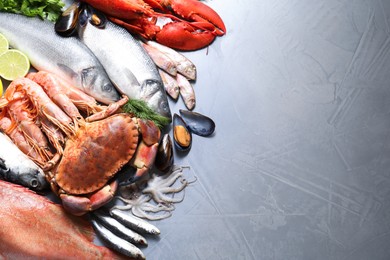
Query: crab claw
x,y
79,205
144,160
183,36
145,155
196,11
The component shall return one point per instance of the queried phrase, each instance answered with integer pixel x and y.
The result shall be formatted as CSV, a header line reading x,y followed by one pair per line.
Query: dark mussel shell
x,y
164,158
97,18
90,15
198,124
67,22
181,135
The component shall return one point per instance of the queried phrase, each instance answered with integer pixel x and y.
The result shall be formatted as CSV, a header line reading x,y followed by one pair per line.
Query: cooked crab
x,y
100,149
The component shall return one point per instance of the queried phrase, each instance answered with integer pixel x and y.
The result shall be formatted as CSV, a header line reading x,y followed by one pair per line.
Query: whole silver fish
x,y
16,167
133,222
119,229
117,243
66,57
127,64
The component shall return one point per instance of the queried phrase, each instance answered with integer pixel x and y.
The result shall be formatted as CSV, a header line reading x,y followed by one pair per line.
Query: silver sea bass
x,y
16,167
66,57
126,62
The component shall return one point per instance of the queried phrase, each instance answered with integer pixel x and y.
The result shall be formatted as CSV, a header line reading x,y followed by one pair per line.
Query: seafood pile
x,y
67,145
66,124
80,156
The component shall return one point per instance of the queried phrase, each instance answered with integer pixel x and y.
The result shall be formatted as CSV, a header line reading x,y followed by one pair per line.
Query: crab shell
x,y
90,160
98,152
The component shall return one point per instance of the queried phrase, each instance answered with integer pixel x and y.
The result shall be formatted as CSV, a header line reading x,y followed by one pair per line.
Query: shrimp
x,y
44,105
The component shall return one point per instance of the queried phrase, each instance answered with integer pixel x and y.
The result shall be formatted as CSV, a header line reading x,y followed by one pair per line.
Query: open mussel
x,y
67,23
164,158
197,123
181,135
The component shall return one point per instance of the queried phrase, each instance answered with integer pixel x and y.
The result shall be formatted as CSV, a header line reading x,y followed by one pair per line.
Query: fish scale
x,y
65,57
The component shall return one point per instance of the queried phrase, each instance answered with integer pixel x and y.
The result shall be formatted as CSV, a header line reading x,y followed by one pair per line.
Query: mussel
x,y
67,23
181,135
78,13
197,123
164,158
96,17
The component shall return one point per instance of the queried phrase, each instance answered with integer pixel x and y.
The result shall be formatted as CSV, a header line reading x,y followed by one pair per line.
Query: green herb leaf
x,y
141,110
45,9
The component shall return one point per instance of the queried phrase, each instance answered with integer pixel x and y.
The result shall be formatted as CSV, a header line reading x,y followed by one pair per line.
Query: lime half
x,y
13,64
3,44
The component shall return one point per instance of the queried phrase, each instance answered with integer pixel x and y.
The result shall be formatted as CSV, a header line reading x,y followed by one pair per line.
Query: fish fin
x,y
67,70
87,77
131,77
150,87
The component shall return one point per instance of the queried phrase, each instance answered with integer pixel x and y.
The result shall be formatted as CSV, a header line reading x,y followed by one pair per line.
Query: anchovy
x,y
16,167
66,57
118,228
133,222
126,62
117,243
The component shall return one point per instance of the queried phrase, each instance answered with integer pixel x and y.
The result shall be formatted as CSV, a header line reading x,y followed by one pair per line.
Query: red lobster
x,y
194,25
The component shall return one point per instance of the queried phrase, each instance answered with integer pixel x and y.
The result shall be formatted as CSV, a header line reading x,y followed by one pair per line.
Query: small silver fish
x,y
119,229
65,57
117,243
16,167
133,222
128,65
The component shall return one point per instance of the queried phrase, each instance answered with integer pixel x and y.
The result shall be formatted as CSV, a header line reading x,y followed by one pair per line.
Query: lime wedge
x,y
3,44
13,64
1,88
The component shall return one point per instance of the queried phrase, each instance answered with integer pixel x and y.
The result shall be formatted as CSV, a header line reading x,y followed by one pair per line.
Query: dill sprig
x,y
141,110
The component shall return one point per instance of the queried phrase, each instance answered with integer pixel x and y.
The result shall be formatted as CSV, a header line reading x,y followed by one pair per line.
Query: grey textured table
x,y
299,165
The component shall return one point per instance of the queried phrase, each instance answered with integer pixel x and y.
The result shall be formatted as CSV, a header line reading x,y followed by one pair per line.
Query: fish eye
x,y
164,106
3,167
107,87
34,183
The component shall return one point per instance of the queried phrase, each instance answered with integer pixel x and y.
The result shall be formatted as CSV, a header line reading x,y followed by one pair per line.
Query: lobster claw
x,y
183,36
196,11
